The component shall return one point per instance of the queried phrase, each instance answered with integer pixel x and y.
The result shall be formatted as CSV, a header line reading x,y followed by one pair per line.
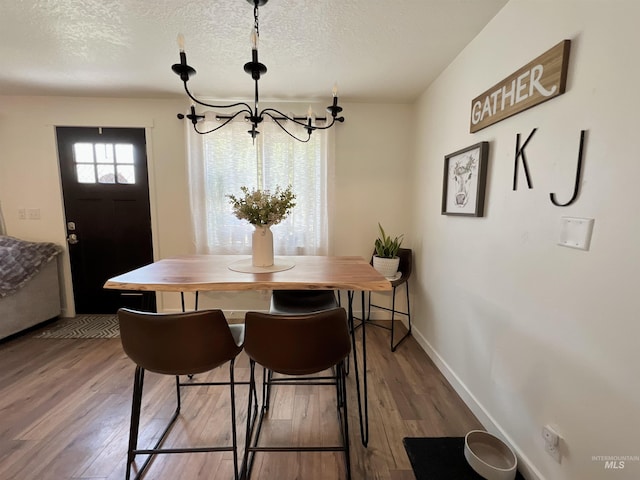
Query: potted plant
x,y
385,259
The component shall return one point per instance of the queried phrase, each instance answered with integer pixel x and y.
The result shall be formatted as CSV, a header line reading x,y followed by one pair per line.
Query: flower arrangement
x,y
261,207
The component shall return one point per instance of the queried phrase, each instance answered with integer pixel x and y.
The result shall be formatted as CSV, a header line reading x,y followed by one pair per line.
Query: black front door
x,y
106,198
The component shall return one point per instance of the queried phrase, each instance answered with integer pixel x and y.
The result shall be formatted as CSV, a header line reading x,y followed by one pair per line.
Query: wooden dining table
x,y
200,273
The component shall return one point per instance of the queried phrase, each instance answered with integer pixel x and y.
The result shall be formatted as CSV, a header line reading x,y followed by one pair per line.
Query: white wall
x,y
529,332
371,137
374,153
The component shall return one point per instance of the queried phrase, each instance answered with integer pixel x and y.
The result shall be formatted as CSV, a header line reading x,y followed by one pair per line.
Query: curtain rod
x,y
318,119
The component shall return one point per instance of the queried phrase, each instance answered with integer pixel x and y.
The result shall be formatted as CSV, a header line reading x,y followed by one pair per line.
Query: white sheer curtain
x,y
223,161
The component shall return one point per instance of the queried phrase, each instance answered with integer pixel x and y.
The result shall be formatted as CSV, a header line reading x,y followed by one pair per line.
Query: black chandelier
x,y
253,115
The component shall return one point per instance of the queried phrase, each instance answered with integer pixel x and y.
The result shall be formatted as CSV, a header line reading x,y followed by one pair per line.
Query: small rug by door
x,y
440,458
83,326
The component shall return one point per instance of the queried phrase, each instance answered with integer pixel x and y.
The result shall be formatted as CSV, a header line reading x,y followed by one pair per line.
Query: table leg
x,y
148,302
190,376
182,301
363,406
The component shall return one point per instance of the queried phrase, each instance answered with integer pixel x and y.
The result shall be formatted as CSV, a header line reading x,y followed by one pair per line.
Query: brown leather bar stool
x,y
406,261
296,346
293,302
178,344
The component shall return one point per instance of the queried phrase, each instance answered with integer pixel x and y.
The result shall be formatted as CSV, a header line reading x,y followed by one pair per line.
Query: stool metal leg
x,y
394,311
134,427
133,449
344,423
135,424
407,314
254,427
234,437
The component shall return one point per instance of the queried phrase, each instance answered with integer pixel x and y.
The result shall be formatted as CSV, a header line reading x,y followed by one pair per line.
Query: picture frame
x,y
464,181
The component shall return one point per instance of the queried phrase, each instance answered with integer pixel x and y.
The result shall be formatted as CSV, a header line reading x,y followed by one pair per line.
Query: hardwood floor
x,y
65,406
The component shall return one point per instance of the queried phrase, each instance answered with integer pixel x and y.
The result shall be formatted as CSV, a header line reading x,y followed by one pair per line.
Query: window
x,y
104,163
222,162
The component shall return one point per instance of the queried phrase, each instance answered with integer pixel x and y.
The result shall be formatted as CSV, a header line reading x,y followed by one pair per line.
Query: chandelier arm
x,y
284,117
333,121
277,122
246,108
227,120
296,119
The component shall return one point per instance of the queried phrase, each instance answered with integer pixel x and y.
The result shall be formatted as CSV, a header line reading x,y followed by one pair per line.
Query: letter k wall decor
x,y
538,81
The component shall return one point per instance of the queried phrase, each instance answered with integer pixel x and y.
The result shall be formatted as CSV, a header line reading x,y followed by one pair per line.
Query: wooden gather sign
x,y
538,81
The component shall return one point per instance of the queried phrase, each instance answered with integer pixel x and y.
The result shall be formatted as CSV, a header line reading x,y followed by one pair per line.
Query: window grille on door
x,y
104,163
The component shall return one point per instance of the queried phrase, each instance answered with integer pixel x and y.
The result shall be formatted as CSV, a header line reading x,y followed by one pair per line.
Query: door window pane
x,y
104,152
106,174
126,174
83,152
124,153
85,173
96,163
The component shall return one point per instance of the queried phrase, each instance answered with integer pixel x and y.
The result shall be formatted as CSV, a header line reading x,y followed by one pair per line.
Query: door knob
x,y
72,239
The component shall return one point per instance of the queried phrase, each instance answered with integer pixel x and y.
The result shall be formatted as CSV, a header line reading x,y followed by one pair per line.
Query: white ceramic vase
x,y
262,246
388,267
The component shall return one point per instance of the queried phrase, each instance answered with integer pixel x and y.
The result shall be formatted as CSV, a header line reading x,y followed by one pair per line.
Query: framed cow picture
x,y
465,178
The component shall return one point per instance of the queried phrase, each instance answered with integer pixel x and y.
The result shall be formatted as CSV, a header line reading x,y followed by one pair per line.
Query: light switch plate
x,y
576,232
33,213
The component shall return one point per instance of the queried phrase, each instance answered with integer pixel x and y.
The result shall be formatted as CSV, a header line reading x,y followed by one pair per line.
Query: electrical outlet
x,y
551,442
554,451
22,214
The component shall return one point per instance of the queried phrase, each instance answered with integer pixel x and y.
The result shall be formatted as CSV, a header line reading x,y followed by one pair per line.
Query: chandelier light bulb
x,y
181,42
254,39
334,90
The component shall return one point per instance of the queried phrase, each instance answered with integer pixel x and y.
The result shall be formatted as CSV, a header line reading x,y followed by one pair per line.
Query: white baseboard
x,y
528,470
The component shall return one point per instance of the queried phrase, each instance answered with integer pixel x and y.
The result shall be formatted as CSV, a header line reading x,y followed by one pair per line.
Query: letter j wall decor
x,y
465,178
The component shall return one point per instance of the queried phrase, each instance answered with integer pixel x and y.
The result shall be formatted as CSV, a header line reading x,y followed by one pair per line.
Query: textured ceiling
x,y
376,50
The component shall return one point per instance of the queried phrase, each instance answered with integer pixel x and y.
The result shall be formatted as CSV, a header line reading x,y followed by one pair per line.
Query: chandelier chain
x,y
255,20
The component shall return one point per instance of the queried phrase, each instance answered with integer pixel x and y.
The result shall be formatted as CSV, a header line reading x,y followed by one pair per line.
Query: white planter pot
x,y
262,247
388,267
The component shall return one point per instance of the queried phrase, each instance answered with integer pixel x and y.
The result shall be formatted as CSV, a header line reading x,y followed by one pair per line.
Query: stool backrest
x,y
177,343
292,302
297,344
406,259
